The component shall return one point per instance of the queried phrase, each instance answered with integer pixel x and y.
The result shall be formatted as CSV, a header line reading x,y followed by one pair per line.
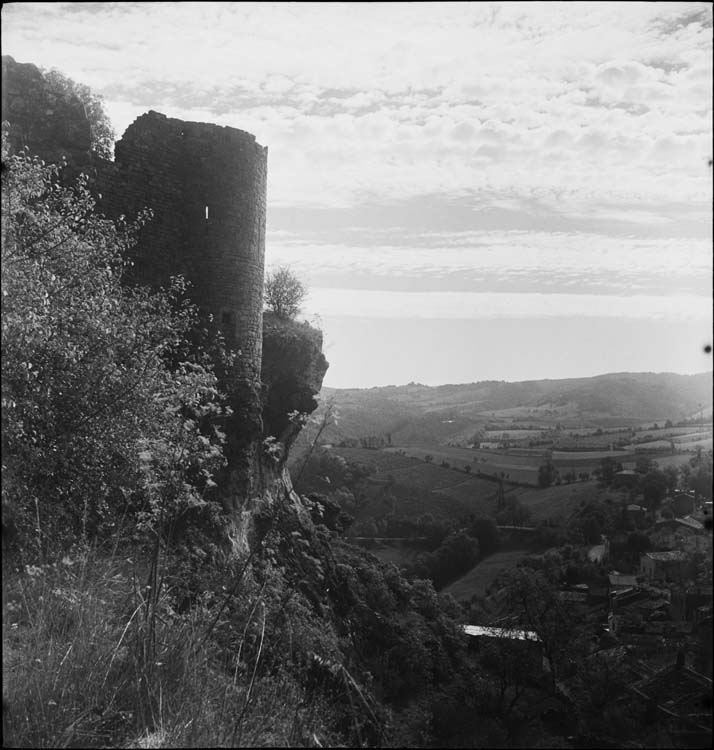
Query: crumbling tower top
x,y
206,185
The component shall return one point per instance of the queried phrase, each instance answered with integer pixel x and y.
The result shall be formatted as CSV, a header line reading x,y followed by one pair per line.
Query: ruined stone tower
x,y
206,185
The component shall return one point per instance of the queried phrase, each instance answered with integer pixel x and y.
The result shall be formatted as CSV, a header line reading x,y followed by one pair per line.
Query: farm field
x,y
432,477
661,458
521,465
383,461
676,432
482,503
517,465
559,501
517,468
513,434
705,445
412,487
480,577
589,456
652,445
409,486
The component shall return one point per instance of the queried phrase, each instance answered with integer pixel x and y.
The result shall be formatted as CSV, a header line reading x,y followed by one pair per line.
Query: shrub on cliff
x,y
96,425
101,131
284,292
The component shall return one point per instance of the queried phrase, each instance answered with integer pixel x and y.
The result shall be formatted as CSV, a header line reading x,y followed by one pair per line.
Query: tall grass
x,y
95,658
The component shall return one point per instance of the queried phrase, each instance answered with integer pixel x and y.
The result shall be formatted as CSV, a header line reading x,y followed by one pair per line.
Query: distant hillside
x,y
414,413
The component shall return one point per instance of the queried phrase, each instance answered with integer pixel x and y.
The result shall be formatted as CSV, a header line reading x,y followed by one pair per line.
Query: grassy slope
x,y
480,577
418,487
561,501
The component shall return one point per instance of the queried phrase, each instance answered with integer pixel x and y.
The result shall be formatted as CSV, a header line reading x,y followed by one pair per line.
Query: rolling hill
x,y
416,413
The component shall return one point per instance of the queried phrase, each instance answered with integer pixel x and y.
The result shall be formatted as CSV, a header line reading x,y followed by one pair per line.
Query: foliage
x,y
101,131
94,665
607,470
456,555
546,474
643,465
486,531
637,544
654,488
96,424
324,470
284,292
514,513
321,422
533,603
594,518
671,474
699,478
512,666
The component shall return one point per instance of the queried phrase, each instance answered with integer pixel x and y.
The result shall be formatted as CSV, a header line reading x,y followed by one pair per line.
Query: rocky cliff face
x,y
293,367
206,186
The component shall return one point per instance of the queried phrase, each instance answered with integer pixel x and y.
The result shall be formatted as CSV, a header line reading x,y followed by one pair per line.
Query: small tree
x,y
654,489
546,474
284,292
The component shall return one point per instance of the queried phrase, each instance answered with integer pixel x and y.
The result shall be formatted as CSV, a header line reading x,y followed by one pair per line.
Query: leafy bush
x,y
101,131
547,474
96,422
458,553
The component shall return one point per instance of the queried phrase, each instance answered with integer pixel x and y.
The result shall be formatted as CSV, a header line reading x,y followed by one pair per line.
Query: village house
x,y
682,503
619,581
679,534
528,640
678,700
672,565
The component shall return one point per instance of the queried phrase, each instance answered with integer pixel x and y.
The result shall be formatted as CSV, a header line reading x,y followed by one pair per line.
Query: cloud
x,y
505,262
391,100
363,303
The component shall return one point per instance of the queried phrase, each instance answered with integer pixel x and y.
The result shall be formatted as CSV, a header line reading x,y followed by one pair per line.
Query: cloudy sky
x,y
471,191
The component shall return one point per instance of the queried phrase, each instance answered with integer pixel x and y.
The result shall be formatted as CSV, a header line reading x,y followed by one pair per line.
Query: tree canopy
x,y
102,133
284,292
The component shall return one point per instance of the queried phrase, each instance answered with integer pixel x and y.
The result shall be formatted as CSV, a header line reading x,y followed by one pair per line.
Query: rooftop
x,y
686,521
619,579
511,633
668,556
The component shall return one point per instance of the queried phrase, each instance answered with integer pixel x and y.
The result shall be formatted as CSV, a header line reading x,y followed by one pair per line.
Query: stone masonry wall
x,y
206,185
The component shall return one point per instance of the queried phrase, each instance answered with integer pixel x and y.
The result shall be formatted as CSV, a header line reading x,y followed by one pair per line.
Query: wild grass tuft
x,y
93,658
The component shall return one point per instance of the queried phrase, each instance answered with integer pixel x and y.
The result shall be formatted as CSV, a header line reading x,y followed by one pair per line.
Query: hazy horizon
x,y
501,380
471,191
